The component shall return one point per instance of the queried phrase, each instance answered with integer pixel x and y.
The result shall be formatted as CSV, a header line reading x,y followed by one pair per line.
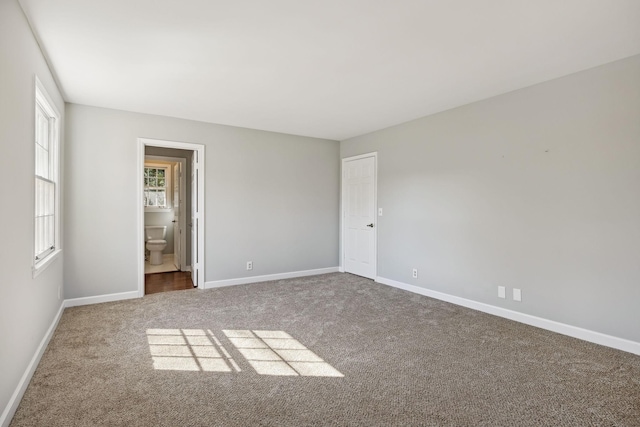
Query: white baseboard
x,y
12,406
550,325
100,298
268,277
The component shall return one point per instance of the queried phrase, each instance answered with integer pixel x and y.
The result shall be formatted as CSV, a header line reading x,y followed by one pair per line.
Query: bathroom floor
x,y
166,266
164,282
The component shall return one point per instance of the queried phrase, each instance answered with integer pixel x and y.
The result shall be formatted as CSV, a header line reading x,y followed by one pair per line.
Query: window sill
x,y
158,210
43,264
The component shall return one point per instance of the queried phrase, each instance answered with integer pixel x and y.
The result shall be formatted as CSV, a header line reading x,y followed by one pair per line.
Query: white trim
x,y
182,215
140,217
50,106
269,277
198,218
164,159
199,151
373,154
74,302
14,401
550,325
42,265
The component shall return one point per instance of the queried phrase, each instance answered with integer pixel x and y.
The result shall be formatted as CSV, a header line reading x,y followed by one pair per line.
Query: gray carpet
x,y
393,358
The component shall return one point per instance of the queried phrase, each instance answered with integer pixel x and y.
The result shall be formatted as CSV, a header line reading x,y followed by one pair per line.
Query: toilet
x,y
154,236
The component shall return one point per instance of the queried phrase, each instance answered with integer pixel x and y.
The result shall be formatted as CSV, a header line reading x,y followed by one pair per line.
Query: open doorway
x,y
167,200
170,220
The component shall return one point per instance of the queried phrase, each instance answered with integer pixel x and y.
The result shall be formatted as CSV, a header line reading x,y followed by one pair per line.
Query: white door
x,y
177,200
195,260
359,216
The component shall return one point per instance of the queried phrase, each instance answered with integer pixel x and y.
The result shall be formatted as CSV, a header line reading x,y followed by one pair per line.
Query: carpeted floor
x,y
334,349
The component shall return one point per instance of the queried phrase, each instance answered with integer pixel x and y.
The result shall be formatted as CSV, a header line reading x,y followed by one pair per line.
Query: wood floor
x,y
164,282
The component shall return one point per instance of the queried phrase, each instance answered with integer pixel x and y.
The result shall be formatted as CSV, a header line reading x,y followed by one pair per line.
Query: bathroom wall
x,y
165,218
28,305
271,198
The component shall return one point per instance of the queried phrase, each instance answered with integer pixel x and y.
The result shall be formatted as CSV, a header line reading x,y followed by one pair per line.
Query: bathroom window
x,y
156,187
46,206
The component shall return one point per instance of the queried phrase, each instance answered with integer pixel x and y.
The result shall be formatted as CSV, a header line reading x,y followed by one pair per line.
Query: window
x,y
46,212
156,186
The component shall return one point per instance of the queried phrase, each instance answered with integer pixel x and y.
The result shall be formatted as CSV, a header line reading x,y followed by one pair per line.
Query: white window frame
x,y
149,163
44,102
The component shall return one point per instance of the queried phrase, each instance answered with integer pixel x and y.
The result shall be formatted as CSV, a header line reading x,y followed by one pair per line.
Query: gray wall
x,y
152,218
537,189
270,198
27,306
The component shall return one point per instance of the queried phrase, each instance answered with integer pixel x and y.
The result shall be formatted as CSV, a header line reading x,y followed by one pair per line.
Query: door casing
x,y
179,249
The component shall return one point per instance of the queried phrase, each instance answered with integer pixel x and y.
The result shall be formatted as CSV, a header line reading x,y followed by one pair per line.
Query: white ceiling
x,y
325,68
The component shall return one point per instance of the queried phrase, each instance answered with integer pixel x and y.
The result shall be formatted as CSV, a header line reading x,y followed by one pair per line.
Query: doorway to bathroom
x,y
171,215
166,201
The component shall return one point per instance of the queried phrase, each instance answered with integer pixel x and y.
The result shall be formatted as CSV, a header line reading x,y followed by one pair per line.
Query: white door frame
x,y
199,148
342,205
183,216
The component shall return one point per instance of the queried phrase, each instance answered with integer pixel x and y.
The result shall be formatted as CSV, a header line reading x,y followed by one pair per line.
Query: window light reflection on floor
x,y
278,353
188,350
268,352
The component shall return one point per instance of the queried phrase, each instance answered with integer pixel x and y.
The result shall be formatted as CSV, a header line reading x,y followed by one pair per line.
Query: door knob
x,y
174,221
370,225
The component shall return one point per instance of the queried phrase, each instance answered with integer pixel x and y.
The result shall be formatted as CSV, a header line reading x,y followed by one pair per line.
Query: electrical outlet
x,y
414,273
379,211
502,292
517,294
249,265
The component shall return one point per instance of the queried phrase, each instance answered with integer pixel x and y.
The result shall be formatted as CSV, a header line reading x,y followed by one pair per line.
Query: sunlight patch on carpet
x,y
278,353
188,350
273,353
